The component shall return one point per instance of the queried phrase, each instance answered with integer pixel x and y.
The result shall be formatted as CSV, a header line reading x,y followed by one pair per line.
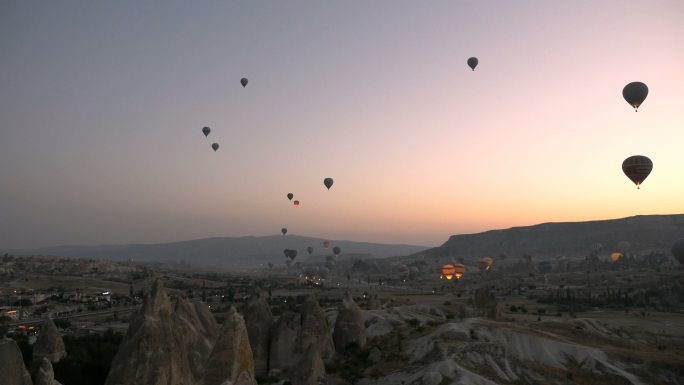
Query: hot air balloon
x,y
615,256
323,272
215,146
326,244
678,251
484,263
283,230
596,246
328,182
289,253
472,63
243,81
637,168
459,270
402,272
624,246
206,131
413,272
290,196
447,271
270,265
309,250
635,93
296,203
337,251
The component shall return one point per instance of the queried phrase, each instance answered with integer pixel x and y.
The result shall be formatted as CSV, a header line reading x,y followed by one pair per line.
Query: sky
x,y
102,106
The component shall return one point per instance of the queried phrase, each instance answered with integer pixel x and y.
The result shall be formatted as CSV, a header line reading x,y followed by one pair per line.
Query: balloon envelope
x,y
283,230
637,168
296,203
290,196
615,256
326,244
206,131
309,250
337,250
472,63
328,182
678,251
215,146
244,82
635,93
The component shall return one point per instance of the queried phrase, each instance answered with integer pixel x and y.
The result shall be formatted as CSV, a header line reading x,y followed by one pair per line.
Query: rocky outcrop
x,y
285,352
349,325
49,343
154,350
231,362
12,369
310,370
198,333
44,375
259,320
315,330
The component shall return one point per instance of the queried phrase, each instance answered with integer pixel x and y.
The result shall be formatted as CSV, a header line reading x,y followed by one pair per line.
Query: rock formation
x,y
285,342
259,320
49,343
198,333
153,351
231,362
12,369
315,330
310,370
349,325
44,375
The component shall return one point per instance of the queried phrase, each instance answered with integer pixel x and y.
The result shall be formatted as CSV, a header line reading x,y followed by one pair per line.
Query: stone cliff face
x,y
49,343
164,344
315,330
259,320
285,352
231,359
349,325
12,369
198,333
310,369
44,374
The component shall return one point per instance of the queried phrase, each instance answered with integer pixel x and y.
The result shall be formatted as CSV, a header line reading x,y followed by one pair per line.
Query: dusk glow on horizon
x,y
102,107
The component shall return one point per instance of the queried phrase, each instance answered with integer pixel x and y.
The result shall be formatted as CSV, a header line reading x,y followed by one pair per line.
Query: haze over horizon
x,y
101,107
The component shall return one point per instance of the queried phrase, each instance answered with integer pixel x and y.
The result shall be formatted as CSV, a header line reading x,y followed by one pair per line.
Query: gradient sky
x,y
102,103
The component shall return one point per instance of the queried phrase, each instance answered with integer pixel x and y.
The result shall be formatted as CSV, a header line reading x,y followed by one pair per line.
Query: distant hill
x,y
227,252
573,239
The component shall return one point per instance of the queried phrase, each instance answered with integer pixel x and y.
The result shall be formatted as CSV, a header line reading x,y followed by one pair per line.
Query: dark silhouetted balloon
x,y
637,168
289,253
270,265
678,251
635,93
328,182
337,250
326,244
472,63
290,196
615,256
296,203
243,81
206,131
283,230
309,250
215,146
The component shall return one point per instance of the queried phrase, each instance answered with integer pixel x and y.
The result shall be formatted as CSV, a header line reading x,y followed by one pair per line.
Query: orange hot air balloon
x,y
326,244
459,270
637,168
484,263
616,256
447,271
296,203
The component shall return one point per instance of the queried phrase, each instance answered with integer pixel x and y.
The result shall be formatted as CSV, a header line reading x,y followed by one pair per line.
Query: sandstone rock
x,y
153,351
12,369
432,378
231,361
44,375
259,320
349,325
315,330
285,342
375,355
373,302
310,369
198,334
49,343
